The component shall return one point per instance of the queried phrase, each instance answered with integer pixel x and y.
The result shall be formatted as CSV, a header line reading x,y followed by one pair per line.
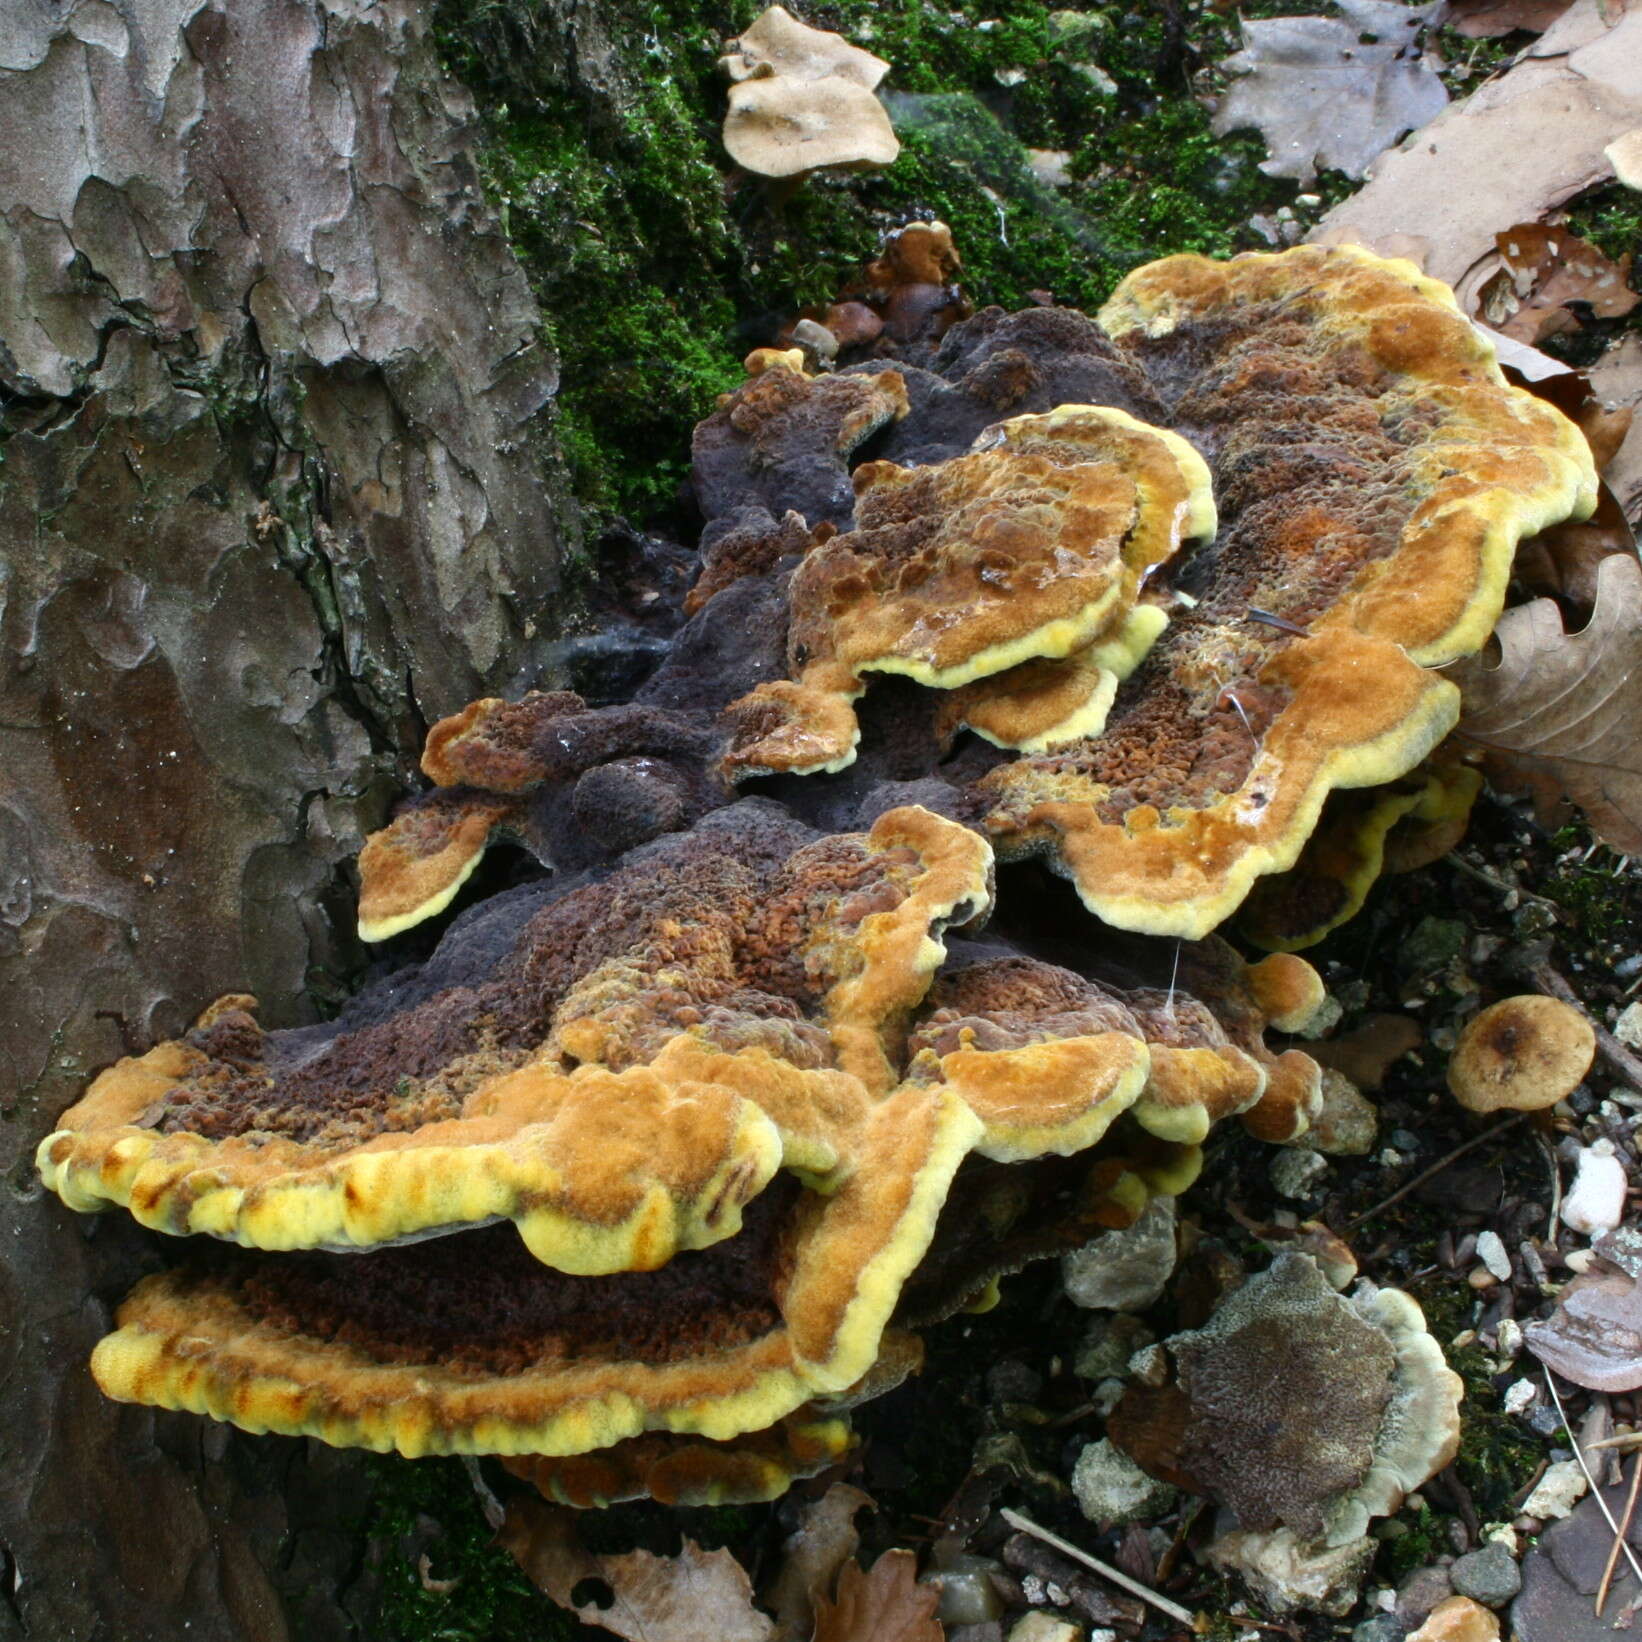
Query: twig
x,y
1596,1492
1619,1538
1614,1055
1104,1569
1499,885
1435,1169
1556,1188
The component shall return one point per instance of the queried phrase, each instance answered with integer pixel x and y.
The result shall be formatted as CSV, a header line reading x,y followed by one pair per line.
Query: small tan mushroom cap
x,y
778,44
780,126
1521,1055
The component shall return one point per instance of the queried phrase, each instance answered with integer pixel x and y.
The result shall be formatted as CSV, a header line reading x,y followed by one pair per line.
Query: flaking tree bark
x,y
277,489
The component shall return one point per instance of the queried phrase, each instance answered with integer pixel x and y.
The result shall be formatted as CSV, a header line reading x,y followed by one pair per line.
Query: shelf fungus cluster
x,y
660,1161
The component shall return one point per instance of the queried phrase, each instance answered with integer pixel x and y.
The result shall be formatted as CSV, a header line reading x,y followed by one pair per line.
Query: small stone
x,y
1557,1492
1459,1619
1544,1420
1481,1278
1508,1338
1383,1627
1579,1261
1420,1593
1349,1121
1520,1395
1628,1028
968,1595
1108,1344
1596,1201
1297,1172
1049,166
1489,1575
1150,1366
1045,1627
1110,1487
1124,1270
1491,1252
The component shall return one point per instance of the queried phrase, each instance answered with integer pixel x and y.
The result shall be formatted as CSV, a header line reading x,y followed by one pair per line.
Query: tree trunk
x,y
278,489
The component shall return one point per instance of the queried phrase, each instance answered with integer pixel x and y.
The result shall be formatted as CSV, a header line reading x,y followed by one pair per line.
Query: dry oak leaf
x,y
824,1540
1332,91
1562,712
886,1605
696,1596
1545,269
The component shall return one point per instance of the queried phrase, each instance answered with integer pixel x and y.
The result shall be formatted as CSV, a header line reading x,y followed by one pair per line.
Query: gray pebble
x,y
1489,1575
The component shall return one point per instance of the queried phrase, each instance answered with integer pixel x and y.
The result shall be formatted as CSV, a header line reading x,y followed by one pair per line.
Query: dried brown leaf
x,y
1564,561
1562,712
1484,19
1366,1053
1545,270
697,1596
886,1605
824,1540
1514,150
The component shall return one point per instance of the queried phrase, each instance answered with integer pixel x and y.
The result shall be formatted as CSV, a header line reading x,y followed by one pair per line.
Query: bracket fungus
x,y
1303,1412
655,1166
1373,473
802,99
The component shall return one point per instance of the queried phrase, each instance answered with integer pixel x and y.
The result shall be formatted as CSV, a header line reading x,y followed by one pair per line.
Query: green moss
x,y
429,1505
658,266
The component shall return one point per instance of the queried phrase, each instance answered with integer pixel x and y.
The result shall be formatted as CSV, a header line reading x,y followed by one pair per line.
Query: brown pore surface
x,y
686,1471
1286,1393
480,1304
1373,474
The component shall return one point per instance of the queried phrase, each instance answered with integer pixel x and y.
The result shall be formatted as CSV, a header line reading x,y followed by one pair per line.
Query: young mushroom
x,y
1521,1054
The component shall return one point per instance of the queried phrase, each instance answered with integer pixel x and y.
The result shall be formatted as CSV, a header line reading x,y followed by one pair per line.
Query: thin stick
x,y
1596,1493
1556,1189
1619,1538
1104,1569
1435,1169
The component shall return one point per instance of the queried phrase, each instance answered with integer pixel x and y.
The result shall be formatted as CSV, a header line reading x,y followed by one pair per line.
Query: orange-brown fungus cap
x,y
1031,546
618,1069
686,1471
1520,1055
1373,472
1397,828
487,763
414,867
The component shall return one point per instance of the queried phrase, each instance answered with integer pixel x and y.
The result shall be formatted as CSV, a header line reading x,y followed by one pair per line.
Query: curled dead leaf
x,y
1561,713
1332,91
697,1596
824,1540
1545,271
886,1604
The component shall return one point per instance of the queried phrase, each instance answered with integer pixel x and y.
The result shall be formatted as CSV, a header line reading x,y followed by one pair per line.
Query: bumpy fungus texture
x,y
1306,1413
741,1120
1373,473
1033,547
503,769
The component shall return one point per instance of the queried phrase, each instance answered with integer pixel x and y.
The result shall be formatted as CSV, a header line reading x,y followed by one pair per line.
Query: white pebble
x,y
1520,1396
1508,1337
1628,1028
1557,1492
1596,1200
1491,1252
